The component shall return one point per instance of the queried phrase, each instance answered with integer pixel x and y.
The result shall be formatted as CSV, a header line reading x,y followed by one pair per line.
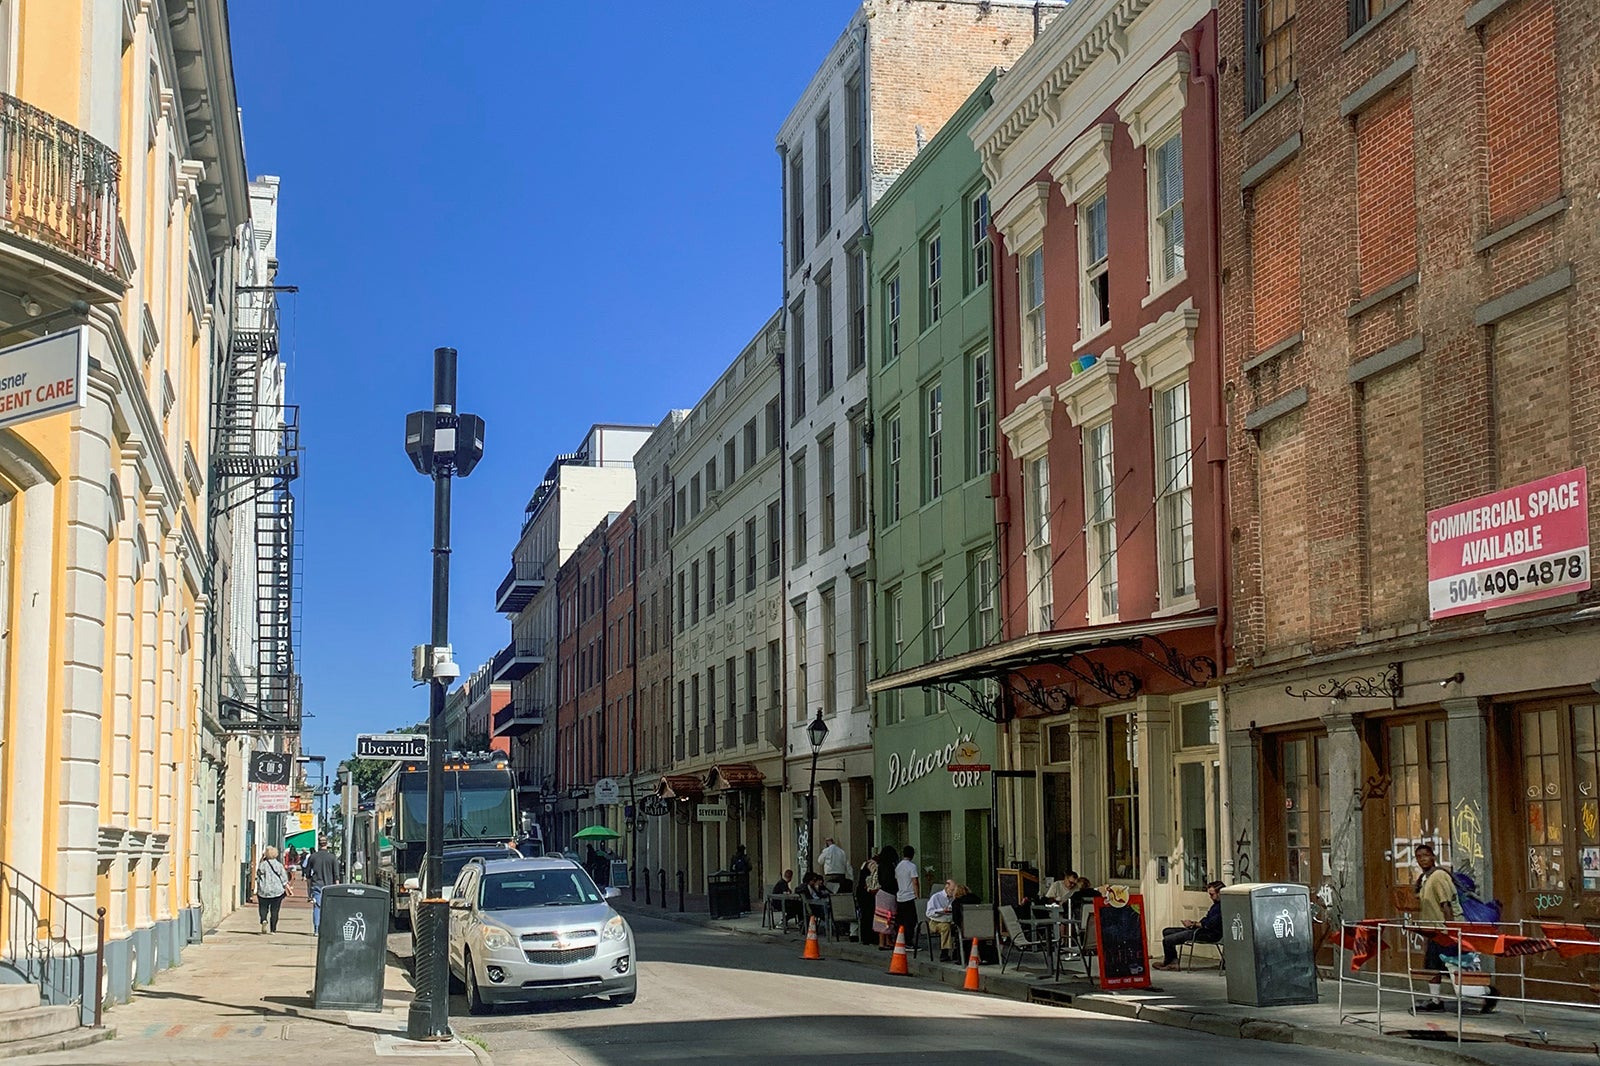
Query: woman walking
x,y
883,902
272,884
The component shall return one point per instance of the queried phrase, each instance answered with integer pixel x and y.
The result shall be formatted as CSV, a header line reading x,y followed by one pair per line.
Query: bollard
x,y
681,880
647,886
663,873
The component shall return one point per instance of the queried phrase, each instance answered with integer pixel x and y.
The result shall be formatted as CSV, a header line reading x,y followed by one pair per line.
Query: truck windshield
x,y
473,810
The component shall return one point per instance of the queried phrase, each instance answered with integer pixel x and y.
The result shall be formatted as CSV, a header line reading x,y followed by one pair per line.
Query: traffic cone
x,y
971,983
897,962
813,948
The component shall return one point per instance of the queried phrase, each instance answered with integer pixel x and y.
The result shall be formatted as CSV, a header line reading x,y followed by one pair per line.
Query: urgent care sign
x,y
1511,546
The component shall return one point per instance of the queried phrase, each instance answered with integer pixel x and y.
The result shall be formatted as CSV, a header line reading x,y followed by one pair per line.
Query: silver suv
x,y
537,930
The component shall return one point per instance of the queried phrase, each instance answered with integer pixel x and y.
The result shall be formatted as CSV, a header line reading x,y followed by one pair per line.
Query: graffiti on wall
x,y
1241,857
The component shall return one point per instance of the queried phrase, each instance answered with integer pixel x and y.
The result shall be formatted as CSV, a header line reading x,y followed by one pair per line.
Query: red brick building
x,y
1100,152
1409,313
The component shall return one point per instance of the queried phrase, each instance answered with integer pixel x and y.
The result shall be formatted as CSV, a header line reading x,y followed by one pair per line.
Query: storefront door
x,y
1057,827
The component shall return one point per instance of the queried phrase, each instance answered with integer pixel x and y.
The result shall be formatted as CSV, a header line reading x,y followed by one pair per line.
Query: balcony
x,y
519,716
60,185
522,583
527,780
518,659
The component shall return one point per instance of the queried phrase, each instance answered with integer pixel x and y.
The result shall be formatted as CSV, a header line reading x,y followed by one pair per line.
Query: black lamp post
x,y
816,732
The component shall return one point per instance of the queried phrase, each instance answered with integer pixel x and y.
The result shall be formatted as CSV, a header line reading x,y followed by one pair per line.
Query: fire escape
x,y
255,460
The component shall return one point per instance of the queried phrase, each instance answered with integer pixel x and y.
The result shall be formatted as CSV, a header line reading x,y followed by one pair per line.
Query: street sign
x,y
396,746
44,376
269,768
711,812
607,793
973,768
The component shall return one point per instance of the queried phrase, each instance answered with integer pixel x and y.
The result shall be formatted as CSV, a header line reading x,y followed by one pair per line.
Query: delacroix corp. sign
x,y
905,769
43,376
1512,546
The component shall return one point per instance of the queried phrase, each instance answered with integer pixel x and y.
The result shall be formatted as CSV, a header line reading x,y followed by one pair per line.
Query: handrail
x,y
60,184
37,940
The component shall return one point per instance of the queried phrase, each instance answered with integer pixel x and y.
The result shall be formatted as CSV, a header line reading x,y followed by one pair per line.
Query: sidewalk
x,y
1198,1001
245,998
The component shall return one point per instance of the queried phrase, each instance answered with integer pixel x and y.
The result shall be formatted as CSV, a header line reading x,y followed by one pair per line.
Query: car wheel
x,y
475,1001
457,985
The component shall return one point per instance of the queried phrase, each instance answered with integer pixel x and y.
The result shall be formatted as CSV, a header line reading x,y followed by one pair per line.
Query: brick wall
x,y
1453,167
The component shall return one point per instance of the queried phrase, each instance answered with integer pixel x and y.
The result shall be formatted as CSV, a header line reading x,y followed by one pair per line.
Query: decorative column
x,y
1088,795
1241,850
1348,877
1467,737
1153,719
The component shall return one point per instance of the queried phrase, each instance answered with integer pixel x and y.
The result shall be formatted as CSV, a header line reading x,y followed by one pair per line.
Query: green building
x,y
933,417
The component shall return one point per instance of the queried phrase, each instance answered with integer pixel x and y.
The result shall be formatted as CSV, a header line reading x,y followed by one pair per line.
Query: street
x,y
710,995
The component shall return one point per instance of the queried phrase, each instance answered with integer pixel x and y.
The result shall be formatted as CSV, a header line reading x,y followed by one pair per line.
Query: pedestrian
x,y
908,886
740,866
1207,930
866,889
883,901
1437,903
835,866
291,862
272,884
814,891
942,918
592,864
321,870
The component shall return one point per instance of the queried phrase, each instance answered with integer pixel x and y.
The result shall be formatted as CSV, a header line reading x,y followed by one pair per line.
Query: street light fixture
x,y
816,732
441,444
322,788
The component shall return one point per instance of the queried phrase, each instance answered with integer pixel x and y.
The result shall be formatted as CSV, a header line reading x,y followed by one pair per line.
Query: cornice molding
x,y
1022,219
1090,394
1157,99
1085,163
1027,429
1164,349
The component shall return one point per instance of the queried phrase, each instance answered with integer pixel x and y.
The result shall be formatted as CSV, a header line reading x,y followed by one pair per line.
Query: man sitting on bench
x,y
1207,930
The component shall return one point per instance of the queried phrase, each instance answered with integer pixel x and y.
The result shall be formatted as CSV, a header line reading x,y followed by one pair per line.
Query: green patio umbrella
x,y
301,840
596,832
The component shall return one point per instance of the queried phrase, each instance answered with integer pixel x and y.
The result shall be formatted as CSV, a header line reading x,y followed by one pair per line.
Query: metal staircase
x,y
255,460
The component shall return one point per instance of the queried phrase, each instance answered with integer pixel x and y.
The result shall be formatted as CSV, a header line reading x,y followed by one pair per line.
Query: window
x,y
711,478
1174,495
1041,594
858,474
824,175
891,303
730,459
853,137
683,718
933,441
859,611
1032,268
830,653
694,714
774,687
1561,777
730,554
824,336
894,629
802,686
682,599
694,496
797,497
825,479
774,427
855,289
1100,501
932,279
1419,793
694,595
1166,209
1199,794
933,592
1122,796
711,709
1364,11
979,250
986,605
774,539
1272,32
1094,252
749,555
1306,840
750,455
750,696
891,481
730,699
797,361
683,508
982,413
797,211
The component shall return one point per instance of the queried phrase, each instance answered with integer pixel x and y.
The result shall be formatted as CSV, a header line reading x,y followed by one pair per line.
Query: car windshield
x,y
454,862
514,889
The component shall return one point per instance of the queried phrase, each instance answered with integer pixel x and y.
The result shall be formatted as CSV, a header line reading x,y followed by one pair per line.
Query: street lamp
x,y
441,444
322,789
816,732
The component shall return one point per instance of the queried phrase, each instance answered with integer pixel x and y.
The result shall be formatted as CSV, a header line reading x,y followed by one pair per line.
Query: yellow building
x,y
122,185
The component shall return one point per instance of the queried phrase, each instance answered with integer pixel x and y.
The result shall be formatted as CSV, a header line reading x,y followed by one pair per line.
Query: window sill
x,y
1166,287
1183,606
1029,375
1528,221
1371,24
1089,338
1272,101
1383,295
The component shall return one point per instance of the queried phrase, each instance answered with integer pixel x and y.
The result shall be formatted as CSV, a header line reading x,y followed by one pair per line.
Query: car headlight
x,y
615,928
495,938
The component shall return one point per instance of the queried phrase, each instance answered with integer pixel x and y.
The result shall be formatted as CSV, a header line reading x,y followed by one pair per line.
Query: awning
x,y
303,839
1060,648
680,786
734,775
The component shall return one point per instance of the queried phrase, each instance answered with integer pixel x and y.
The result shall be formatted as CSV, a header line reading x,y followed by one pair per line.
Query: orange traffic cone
x,y
897,962
813,948
971,983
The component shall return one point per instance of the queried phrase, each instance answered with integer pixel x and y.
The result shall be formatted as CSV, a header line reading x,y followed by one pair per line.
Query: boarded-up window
x,y
1522,126
1386,198
1275,258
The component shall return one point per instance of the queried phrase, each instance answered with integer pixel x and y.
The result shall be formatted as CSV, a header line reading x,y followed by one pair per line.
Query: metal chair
x,y
1186,952
1024,939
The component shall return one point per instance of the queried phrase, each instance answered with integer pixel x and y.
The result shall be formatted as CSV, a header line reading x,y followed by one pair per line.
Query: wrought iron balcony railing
x,y
60,184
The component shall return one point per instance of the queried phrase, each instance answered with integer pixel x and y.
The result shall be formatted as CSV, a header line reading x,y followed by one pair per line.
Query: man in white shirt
x,y
942,918
908,886
835,866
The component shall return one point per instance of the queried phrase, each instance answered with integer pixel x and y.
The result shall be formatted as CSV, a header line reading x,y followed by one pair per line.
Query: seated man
x,y
815,894
781,888
1061,891
1207,930
943,914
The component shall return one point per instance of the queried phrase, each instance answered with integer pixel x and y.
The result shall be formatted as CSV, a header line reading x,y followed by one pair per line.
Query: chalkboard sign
x,y
619,873
1120,940
352,946
1017,885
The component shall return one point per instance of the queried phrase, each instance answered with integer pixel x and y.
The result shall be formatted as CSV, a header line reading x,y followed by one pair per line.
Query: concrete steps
x,y
25,1020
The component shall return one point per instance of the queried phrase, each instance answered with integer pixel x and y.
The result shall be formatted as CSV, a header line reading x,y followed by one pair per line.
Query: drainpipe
x,y
783,495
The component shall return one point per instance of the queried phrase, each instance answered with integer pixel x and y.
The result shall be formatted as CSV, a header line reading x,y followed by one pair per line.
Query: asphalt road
x,y
711,996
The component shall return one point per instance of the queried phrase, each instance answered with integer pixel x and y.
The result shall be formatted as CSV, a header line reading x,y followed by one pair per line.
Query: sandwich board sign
x,y
44,376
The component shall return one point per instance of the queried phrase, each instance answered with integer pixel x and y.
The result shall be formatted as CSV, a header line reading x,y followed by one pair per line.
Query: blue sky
x,y
582,198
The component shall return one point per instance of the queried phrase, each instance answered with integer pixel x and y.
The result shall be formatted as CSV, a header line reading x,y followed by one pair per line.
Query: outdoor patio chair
x,y
1024,939
1186,954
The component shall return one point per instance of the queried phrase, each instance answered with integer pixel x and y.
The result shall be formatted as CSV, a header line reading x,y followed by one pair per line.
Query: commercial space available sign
x,y
1513,546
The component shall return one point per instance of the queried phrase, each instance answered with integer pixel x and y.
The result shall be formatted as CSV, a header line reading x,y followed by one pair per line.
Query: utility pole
x,y
441,444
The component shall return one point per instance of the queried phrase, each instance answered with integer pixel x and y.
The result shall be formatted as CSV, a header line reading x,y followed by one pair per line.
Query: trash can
x,y
352,945
1267,945
722,894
